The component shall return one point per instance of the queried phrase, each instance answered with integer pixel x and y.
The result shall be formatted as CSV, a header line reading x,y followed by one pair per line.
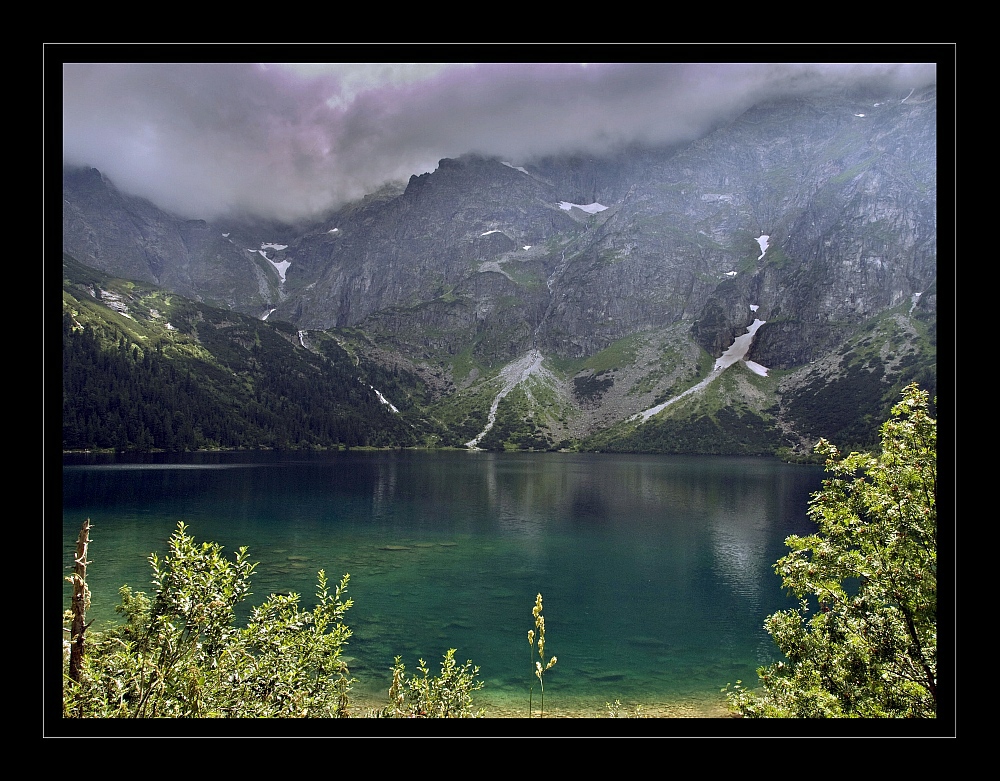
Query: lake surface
x,y
656,571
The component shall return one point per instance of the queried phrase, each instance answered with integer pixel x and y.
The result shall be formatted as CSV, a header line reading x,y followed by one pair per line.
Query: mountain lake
x,y
656,571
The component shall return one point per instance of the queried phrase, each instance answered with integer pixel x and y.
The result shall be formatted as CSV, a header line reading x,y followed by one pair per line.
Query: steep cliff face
x,y
843,190
131,238
467,218
815,216
115,233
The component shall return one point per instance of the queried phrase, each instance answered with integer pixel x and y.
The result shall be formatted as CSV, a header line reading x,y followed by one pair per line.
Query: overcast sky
x,y
291,141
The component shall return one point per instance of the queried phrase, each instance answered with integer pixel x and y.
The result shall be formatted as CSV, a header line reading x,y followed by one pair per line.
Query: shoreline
x,y
494,705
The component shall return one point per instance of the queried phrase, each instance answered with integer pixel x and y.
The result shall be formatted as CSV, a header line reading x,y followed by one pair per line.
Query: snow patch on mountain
x,y
736,352
763,240
281,266
590,208
516,168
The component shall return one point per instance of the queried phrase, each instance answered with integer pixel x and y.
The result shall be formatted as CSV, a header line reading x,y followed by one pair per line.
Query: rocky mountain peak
x,y
815,215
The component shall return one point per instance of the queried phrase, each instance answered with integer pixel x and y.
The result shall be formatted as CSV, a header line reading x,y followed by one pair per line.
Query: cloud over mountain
x,y
290,141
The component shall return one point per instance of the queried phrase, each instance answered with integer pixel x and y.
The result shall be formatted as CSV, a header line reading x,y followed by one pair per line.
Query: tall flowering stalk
x,y
539,667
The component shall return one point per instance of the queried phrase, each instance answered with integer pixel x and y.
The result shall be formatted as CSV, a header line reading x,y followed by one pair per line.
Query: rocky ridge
x,y
627,273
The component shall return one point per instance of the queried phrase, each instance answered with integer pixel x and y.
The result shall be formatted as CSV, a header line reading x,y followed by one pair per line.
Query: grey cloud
x,y
293,141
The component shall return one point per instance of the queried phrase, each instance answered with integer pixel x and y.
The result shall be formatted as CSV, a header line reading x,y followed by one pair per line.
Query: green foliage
x,y
732,416
735,430
873,369
444,696
527,274
540,666
518,425
622,352
463,364
216,379
869,577
776,257
180,654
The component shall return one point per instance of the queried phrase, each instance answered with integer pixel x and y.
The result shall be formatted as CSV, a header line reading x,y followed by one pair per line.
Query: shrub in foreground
x,y
179,654
863,641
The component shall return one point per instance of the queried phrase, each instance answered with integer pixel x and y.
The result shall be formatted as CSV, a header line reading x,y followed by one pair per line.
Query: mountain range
x,y
770,283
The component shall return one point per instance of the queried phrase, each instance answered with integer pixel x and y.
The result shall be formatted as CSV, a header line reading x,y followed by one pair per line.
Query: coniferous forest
x,y
217,380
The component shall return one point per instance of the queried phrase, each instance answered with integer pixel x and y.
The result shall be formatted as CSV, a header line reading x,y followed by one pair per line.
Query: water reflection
x,y
656,571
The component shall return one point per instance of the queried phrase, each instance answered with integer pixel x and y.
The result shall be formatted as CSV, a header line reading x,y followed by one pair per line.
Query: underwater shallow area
x,y
655,570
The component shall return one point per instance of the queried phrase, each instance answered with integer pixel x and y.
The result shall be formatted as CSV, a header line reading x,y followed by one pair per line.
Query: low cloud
x,y
293,141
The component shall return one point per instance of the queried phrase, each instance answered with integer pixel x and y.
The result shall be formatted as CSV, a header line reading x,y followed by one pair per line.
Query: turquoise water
x,y
656,571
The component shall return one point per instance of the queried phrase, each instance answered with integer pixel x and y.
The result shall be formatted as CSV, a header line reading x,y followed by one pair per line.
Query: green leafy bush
x,y
869,577
448,695
180,654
